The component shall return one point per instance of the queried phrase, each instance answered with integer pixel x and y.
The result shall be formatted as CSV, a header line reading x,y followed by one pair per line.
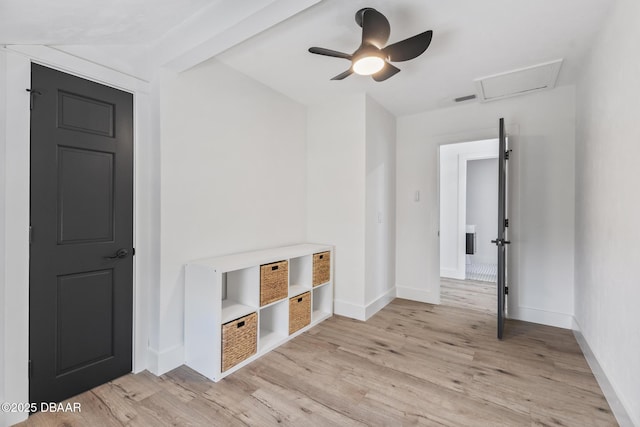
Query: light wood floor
x,y
469,294
410,364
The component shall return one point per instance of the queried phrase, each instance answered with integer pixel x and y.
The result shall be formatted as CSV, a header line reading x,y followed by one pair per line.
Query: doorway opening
x,y
468,186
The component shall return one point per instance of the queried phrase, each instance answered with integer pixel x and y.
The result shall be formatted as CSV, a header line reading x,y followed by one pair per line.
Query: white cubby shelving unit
x,y
222,289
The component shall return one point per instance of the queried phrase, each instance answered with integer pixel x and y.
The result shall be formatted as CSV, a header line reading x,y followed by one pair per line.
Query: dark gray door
x,y
502,239
80,266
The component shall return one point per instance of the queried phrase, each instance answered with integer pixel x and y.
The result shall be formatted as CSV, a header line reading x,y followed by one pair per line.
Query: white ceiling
x,y
61,22
472,39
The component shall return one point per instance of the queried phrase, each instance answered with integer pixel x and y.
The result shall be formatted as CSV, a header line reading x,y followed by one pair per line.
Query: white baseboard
x,y
453,273
416,294
347,309
161,362
363,312
574,325
618,409
379,303
535,315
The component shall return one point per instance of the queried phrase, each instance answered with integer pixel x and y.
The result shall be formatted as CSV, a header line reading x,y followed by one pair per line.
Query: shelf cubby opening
x,y
300,275
274,323
239,293
322,302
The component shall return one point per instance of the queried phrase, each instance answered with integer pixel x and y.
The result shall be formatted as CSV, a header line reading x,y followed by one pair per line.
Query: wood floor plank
x,y
469,294
410,364
138,387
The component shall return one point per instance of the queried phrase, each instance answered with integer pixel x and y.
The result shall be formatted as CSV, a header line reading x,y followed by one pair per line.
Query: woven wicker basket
x,y
299,312
274,282
321,268
239,340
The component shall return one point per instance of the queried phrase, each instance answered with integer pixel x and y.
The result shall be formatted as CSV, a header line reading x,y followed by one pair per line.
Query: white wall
x,y
608,203
482,208
336,173
233,166
3,112
380,210
351,199
542,126
453,201
16,233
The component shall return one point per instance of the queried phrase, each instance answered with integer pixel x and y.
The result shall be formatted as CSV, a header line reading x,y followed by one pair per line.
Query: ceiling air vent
x,y
464,98
519,82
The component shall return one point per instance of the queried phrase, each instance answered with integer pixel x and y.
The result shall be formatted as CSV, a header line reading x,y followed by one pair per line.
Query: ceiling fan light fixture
x,y
373,58
368,65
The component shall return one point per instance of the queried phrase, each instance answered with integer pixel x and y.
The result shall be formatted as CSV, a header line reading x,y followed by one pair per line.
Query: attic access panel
x,y
519,82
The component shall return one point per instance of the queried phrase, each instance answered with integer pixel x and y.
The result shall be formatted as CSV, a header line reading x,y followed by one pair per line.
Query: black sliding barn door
x,y
81,266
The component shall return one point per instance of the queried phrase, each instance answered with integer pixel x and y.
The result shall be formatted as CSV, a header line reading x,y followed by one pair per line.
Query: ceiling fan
x,y
371,58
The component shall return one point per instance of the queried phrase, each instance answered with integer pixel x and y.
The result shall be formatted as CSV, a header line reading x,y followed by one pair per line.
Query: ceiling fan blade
x,y
329,52
387,71
408,48
375,27
343,75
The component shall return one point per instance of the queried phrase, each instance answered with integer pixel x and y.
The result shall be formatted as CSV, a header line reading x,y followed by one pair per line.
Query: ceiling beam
x,y
185,47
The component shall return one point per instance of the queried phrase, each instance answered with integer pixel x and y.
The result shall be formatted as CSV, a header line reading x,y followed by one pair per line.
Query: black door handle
x,y
501,242
121,254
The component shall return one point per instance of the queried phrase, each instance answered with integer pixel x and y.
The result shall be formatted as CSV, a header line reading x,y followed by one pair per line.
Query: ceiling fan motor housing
x,y
360,15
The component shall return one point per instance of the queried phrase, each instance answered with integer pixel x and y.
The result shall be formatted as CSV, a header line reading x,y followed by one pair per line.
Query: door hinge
x,y
30,369
506,290
506,223
30,235
133,252
32,93
507,155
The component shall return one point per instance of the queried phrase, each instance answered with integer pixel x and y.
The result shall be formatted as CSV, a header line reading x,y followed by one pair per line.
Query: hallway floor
x,y
482,272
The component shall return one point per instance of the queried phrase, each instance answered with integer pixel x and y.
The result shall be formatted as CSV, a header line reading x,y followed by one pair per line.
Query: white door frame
x,y
15,306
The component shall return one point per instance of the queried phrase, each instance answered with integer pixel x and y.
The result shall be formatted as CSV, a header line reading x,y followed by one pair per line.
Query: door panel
x,y
85,196
83,114
84,319
80,300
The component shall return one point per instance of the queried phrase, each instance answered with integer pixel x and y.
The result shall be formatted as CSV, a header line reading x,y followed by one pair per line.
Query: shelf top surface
x,y
250,259
232,310
296,290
